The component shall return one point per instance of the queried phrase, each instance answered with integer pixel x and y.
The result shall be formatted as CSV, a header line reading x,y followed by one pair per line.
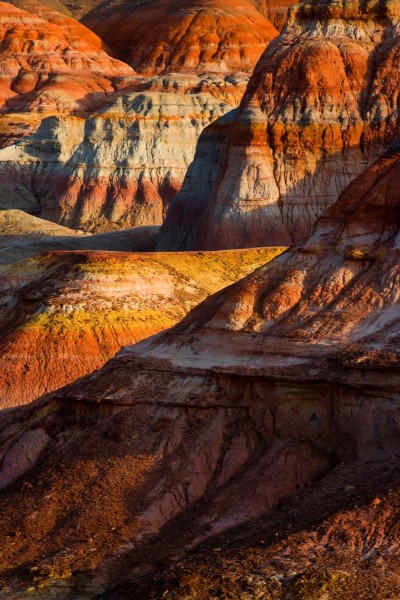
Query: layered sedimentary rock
x,y
64,314
119,168
51,63
321,103
274,10
122,166
211,35
257,392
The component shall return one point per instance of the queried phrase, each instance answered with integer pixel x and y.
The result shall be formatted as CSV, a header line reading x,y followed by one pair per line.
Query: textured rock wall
x,y
210,35
119,168
320,106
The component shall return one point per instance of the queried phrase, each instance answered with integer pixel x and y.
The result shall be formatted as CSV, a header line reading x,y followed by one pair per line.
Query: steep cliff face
x,y
64,314
321,103
213,423
119,168
210,35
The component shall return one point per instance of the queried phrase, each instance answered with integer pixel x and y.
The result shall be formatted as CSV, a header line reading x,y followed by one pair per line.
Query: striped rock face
x,y
209,426
122,165
64,314
210,35
50,63
320,107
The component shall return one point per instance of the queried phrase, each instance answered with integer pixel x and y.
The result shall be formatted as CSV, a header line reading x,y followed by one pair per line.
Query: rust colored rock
x,y
51,63
211,424
320,107
210,35
65,314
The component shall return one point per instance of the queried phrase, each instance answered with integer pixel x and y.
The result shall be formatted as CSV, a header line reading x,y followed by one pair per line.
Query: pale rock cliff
x,y
321,105
119,168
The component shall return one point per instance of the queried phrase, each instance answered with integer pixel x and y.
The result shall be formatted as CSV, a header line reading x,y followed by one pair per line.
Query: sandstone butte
x,y
122,165
186,444
64,314
50,64
321,105
196,35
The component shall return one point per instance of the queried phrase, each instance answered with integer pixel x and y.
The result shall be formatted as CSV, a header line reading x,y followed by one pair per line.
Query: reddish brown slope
x,y
64,314
210,35
51,63
321,105
212,424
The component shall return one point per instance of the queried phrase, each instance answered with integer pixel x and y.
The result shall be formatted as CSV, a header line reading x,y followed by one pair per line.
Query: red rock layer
x,y
65,314
323,101
211,35
50,63
215,422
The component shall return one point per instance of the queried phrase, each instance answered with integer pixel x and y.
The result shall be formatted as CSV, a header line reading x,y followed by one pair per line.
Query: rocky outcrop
x,y
64,314
122,166
321,104
119,168
52,64
211,35
257,392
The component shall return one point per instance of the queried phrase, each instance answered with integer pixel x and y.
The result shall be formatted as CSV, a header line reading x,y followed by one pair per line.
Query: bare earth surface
x,y
64,314
267,418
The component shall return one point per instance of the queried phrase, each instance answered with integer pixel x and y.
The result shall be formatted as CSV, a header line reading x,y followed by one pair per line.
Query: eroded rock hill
x,y
212,424
206,35
119,168
274,10
321,104
64,314
51,63
122,165
24,236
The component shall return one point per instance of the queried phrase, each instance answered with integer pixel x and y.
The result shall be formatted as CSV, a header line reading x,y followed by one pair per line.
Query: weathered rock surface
x,y
321,103
64,314
274,10
122,166
119,168
213,423
210,35
51,63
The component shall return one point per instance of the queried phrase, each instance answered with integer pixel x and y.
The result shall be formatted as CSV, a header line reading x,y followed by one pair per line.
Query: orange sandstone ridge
x,y
64,314
51,63
197,435
206,35
320,107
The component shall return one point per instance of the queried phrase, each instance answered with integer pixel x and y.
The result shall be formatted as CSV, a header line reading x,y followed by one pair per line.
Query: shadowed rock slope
x,y
212,424
321,106
64,314
24,236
